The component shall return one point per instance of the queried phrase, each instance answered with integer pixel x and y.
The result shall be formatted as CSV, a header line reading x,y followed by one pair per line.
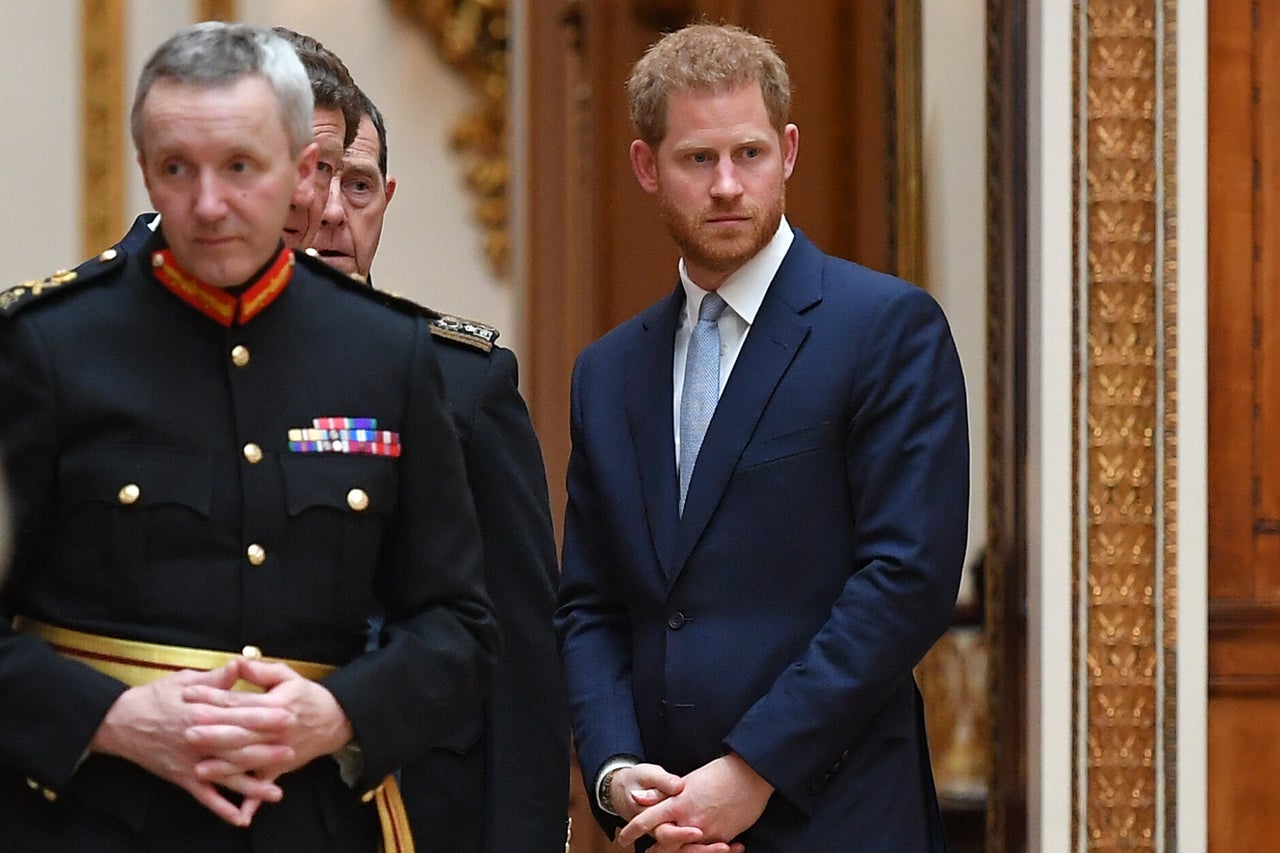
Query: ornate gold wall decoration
x,y
216,10
472,37
1125,366
102,123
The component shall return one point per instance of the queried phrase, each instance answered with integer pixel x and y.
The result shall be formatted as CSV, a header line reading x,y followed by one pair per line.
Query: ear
x,y
644,162
146,176
391,188
790,148
304,193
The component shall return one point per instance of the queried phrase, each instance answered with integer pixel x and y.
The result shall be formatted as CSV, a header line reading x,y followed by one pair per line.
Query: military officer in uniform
x,y
222,457
500,781
336,110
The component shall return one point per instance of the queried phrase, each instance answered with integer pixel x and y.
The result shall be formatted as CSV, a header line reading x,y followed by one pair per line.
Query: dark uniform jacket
x,y
500,781
158,497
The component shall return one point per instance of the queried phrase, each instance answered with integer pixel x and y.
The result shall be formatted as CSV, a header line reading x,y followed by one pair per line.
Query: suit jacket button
x,y
676,621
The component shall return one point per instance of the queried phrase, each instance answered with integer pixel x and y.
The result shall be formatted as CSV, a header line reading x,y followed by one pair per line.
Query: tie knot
x,y
712,307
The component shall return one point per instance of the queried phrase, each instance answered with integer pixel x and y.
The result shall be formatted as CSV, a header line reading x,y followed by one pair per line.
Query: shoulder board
x,y
311,259
470,332
28,293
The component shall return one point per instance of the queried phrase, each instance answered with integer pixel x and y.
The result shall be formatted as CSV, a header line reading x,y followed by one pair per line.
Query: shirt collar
x,y
744,290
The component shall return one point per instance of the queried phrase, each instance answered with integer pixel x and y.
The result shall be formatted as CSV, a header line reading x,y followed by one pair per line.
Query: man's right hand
x,y
148,726
634,789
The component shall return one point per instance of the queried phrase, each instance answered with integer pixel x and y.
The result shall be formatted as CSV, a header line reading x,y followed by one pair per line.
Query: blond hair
x,y
705,58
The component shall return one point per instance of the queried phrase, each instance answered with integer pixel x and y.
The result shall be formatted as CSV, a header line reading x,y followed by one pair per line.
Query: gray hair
x,y
214,53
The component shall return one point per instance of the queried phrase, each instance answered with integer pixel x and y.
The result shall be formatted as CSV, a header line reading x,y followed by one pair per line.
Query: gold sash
x,y
137,663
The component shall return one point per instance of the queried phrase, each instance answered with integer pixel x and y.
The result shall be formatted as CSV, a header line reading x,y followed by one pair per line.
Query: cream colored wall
x,y
38,183
430,247
954,158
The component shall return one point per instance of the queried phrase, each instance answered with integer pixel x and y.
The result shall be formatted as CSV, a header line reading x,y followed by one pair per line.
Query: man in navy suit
x,y
739,634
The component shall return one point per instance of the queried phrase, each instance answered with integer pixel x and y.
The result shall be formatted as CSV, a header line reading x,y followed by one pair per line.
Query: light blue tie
x,y
701,386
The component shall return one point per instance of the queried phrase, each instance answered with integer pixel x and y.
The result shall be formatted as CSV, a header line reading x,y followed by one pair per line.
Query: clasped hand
x,y
193,730
699,813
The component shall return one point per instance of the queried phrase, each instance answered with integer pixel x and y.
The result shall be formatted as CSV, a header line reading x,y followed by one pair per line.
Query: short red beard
x,y
721,253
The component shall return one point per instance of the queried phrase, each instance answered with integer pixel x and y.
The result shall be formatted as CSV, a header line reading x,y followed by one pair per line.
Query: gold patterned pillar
x,y
1125,452
215,10
102,134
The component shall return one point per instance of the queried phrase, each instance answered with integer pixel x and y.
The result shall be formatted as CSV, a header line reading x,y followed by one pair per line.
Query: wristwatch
x,y
605,794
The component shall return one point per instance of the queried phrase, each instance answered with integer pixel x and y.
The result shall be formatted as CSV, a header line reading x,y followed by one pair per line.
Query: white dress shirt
x,y
743,292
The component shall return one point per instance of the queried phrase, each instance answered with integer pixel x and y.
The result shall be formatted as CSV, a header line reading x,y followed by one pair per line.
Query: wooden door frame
x,y
1005,566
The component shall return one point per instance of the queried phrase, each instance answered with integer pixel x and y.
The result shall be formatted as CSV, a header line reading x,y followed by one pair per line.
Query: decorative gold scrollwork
x,y
471,36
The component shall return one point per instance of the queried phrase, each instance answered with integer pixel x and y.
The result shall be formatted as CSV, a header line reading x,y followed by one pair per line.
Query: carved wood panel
x,y
1244,416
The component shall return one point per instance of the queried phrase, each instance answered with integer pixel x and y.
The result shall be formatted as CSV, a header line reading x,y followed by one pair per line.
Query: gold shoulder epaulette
x,y
470,332
23,294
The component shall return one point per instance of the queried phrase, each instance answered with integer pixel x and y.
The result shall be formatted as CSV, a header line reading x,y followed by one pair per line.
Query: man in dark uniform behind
x,y
222,456
500,781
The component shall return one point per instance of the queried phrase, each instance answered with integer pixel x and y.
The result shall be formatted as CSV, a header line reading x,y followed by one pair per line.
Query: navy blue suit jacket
x,y
817,560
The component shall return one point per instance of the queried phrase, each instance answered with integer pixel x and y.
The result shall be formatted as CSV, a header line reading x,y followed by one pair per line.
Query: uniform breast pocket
x,y
789,444
339,507
136,525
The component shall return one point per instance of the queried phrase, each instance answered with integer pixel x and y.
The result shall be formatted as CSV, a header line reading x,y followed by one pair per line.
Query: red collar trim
x,y
215,302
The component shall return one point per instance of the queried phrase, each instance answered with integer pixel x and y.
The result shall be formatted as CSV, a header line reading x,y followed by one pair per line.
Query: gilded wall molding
x,y
102,123
471,36
1125,367
216,10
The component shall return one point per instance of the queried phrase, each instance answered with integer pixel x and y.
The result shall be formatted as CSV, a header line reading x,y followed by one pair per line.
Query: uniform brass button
x,y
257,554
33,784
50,796
129,494
312,252
157,260
239,355
358,500
108,255
253,453
251,652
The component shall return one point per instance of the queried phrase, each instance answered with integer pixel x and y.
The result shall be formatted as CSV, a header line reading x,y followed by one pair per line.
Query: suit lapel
x,y
649,395
770,347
